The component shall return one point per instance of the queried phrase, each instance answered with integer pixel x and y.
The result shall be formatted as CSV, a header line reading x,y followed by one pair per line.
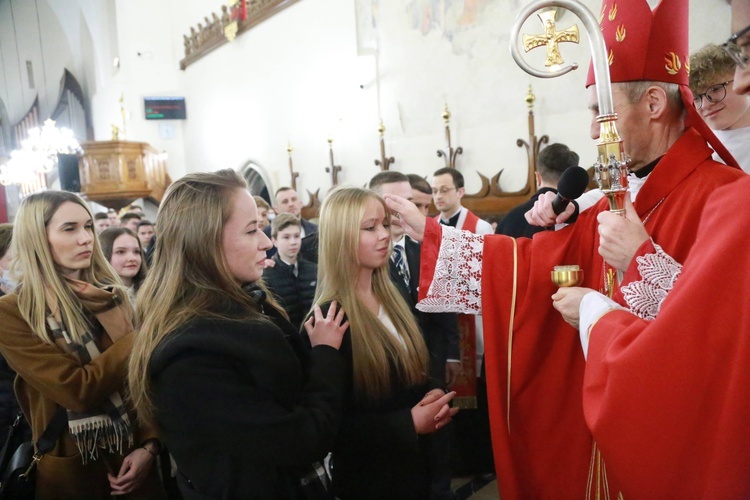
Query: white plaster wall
x,y
291,79
296,78
148,47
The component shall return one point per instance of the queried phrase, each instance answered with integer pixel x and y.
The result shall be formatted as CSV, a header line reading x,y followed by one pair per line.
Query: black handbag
x,y
12,436
17,465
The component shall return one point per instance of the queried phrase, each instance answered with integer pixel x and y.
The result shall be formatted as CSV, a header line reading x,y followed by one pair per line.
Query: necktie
x,y
400,262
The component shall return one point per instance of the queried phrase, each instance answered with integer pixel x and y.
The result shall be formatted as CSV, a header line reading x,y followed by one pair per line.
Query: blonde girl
x,y
391,405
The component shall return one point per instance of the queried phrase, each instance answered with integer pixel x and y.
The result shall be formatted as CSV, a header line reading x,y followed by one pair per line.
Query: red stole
x,y
466,384
534,362
470,224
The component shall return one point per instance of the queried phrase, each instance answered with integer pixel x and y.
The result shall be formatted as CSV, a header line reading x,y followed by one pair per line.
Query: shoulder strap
x,y
12,431
53,431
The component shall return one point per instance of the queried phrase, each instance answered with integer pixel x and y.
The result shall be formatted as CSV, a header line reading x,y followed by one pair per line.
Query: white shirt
x,y
388,324
593,306
737,141
590,198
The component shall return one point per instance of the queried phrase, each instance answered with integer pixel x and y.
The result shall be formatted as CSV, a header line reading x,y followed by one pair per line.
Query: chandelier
x,y
38,154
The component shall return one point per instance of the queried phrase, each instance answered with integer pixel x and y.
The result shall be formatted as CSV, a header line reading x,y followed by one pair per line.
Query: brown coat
x,y
48,377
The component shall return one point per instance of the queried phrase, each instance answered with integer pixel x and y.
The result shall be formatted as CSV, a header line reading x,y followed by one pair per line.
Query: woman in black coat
x,y
244,410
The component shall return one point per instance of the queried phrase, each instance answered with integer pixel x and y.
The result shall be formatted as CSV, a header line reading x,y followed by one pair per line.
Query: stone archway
x,y
258,181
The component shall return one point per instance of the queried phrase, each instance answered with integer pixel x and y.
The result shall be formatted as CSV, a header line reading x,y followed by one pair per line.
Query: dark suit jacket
x,y
440,330
514,223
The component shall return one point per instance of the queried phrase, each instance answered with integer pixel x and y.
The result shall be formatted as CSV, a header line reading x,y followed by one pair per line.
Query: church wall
x,y
301,77
287,81
293,80
148,49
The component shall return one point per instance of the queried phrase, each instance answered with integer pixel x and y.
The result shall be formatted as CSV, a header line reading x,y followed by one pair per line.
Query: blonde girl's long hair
x,y
189,276
377,354
39,277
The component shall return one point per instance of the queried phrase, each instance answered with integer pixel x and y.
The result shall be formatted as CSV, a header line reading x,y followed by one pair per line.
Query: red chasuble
x,y
668,401
535,365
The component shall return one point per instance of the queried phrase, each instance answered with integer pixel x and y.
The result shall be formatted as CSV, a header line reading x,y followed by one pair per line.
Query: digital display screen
x,y
165,108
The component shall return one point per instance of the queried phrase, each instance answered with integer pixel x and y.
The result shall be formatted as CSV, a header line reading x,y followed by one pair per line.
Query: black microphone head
x,y
573,183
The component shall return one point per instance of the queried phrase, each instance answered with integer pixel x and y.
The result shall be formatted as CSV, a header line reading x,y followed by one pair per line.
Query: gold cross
x,y
550,38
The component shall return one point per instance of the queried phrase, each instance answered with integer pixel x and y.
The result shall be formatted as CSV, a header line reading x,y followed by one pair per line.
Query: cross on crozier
x,y
550,38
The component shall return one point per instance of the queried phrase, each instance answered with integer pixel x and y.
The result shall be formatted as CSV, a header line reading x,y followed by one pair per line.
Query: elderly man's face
x,y
631,120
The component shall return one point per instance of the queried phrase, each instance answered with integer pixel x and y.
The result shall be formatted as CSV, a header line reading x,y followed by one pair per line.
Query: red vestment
x,y
535,365
668,400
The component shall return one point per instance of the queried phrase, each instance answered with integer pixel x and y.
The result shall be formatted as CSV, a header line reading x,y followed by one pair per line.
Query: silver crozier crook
x,y
610,168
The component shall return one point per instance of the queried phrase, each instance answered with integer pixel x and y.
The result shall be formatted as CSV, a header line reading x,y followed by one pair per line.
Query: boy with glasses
x,y
726,112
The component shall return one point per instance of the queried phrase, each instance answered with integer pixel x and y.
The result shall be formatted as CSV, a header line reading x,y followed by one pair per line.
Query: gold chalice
x,y
565,276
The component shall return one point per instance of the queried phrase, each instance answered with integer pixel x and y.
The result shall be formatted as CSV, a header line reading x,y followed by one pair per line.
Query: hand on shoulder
x,y
329,329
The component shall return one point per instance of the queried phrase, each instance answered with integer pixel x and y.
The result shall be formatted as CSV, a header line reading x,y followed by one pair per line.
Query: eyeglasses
x,y
739,54
442,190
715,93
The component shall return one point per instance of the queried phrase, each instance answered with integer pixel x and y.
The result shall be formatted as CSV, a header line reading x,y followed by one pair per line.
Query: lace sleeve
x,y
658,272
457,283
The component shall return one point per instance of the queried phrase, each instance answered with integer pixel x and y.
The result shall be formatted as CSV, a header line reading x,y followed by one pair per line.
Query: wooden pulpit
x,y
114,173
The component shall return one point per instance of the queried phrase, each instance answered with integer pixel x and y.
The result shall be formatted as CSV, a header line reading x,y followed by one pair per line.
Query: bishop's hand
x,y
620,237
567,301
407,216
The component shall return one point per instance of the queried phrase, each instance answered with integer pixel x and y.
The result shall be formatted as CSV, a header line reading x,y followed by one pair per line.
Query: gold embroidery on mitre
x,y
613,12
601,14
611,57
620,33
673,63
687,65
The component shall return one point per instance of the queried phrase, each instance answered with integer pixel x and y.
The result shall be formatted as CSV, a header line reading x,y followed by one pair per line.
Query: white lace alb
x,y
659,272
457,283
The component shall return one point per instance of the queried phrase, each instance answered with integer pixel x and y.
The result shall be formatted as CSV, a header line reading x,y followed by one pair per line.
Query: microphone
x,y
571,185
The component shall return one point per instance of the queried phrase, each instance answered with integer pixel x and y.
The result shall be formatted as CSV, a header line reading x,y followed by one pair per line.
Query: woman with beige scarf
x,y
67,333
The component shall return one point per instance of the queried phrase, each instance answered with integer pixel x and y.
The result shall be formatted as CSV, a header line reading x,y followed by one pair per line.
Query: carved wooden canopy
x,y
212,32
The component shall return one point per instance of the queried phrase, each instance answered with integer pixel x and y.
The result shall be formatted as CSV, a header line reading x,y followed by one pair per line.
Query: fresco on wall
x,y
455,20
460,22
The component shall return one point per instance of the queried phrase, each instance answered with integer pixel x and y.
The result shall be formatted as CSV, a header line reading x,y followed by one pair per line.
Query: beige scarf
x,y
108,425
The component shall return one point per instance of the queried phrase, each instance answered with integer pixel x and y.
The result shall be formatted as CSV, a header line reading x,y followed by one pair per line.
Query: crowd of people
x,y
275,371
240,351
